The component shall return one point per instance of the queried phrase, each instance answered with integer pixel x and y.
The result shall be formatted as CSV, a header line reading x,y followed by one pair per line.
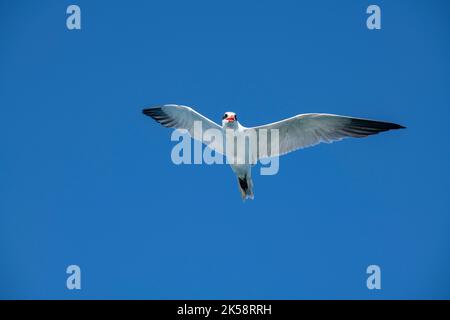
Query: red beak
x,y
231,118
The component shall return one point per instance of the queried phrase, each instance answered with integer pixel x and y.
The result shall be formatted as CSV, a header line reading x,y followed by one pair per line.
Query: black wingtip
x,y
396,126
153,112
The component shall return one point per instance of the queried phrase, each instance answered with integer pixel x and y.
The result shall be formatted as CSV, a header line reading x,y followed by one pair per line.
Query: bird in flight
x,y
301,131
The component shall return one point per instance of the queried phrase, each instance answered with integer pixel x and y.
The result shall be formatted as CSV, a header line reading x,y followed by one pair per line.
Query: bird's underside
x,y
301,131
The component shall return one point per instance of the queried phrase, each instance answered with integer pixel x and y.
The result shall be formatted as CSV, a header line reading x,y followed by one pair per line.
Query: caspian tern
x,y
301,131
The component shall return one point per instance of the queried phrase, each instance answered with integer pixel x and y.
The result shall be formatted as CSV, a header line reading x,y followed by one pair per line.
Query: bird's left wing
x,y
309,129
182,117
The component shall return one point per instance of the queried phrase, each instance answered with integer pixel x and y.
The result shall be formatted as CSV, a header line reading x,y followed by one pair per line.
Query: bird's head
x,y
229,119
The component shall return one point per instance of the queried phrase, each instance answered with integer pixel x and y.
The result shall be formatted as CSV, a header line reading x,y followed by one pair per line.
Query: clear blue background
x,y
86,179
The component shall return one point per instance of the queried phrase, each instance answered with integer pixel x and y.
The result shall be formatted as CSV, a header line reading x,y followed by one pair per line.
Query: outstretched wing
x,y
186,118
306,130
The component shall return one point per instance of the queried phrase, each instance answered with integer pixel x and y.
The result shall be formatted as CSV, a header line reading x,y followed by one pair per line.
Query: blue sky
x,y
86,179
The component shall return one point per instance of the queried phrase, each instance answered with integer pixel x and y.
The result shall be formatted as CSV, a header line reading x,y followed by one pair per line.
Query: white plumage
x,y
297,132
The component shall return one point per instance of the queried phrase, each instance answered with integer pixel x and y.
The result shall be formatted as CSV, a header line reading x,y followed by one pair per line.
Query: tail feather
x,y
246,187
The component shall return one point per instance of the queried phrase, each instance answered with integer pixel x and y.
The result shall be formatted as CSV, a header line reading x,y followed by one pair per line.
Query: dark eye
x,y
235,117
225,116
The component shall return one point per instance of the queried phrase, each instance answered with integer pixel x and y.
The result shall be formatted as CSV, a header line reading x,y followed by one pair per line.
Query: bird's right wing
x,y
182,117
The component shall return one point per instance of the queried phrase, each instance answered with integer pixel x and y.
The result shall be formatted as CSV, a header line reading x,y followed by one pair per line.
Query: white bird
x,y
301,131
